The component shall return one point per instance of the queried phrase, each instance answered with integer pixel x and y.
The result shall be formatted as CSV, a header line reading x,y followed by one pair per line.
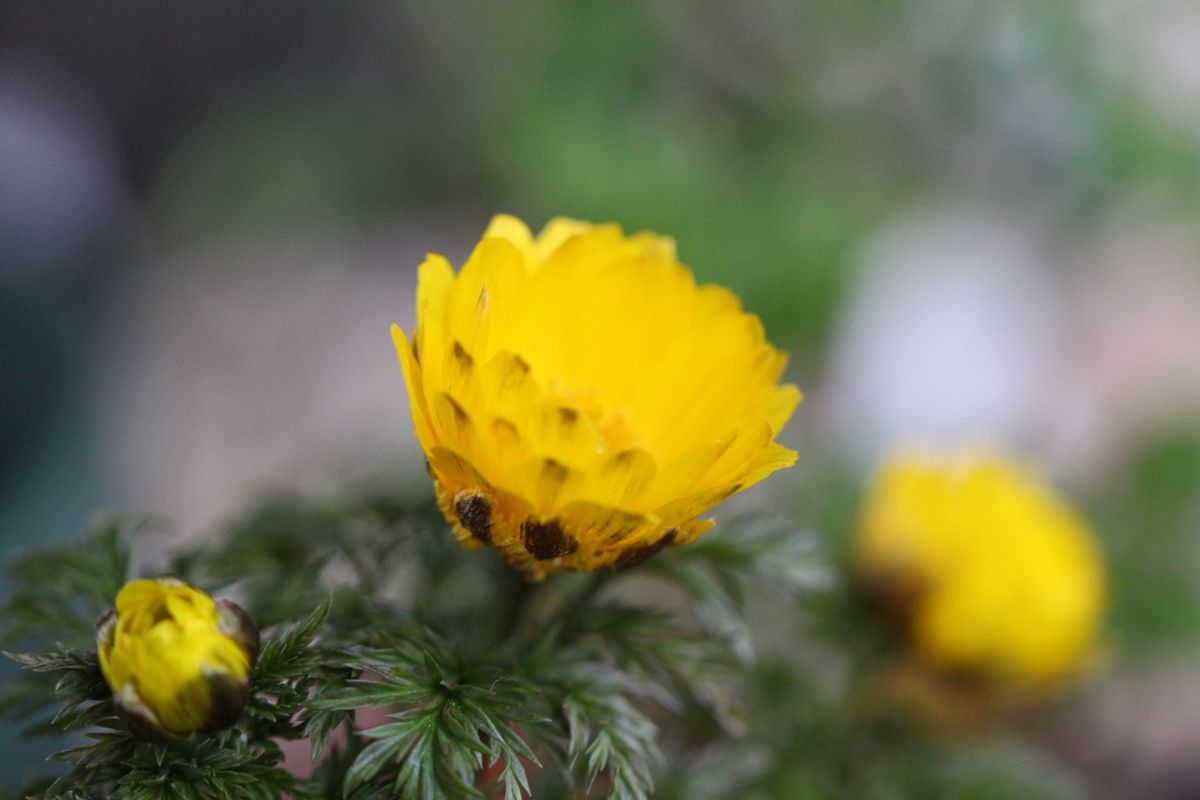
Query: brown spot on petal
x,y
140,720
554,473
105,626
638,553
475,514
464,358
234,622
568,416
460,413
547,540
554,476
505,427
227,697
622,528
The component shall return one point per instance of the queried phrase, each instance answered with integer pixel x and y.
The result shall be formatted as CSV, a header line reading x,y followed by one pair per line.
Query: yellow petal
x,y
1000,578
506,226
580,393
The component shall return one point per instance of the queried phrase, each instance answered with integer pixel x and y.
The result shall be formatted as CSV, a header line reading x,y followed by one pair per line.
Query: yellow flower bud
x,y
581,401
177,660
988,570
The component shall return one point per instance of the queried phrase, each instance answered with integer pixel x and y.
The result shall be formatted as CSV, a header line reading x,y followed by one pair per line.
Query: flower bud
x,y
177,660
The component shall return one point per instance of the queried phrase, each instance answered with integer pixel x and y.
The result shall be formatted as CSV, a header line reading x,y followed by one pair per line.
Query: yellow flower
x,y
581,401
177,661
992,573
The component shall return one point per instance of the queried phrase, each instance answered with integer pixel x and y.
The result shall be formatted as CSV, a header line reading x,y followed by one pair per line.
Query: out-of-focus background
x,y
966,220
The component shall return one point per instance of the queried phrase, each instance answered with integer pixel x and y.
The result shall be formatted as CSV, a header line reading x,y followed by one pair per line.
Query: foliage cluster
x,y
406,667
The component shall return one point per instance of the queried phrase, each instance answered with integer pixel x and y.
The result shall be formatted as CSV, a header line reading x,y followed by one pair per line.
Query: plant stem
x,y
593,583
520,599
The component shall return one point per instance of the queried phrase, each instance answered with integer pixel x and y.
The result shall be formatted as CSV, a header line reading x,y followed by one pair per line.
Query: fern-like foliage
x,y
608,734
452,721
56,593
243,763
403,666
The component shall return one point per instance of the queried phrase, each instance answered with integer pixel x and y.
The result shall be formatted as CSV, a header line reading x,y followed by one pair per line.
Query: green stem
x,y
593,583
520,599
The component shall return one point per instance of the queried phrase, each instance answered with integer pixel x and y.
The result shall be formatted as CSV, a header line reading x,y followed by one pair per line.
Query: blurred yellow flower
x,y
581,401
991,572
177,661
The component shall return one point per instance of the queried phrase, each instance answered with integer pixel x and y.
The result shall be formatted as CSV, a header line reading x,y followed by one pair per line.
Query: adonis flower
x,y
991,573
177,661
581,401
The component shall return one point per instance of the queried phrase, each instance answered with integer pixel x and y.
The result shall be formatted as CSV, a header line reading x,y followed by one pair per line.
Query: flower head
x,y
990,572
177,661
581,401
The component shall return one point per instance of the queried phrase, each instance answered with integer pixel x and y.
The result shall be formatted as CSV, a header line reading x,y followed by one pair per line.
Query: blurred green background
x,y
964,219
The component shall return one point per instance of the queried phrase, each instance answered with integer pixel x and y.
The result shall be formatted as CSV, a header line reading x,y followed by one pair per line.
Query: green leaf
x,y
280,652
58,592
